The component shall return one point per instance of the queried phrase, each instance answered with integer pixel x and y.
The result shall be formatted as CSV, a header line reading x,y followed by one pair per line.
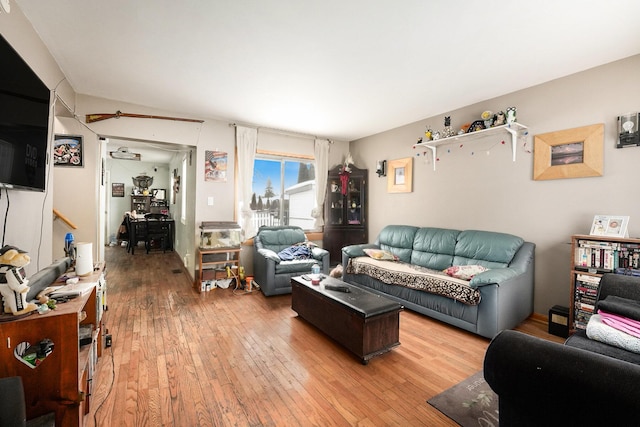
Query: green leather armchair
x,y
274,274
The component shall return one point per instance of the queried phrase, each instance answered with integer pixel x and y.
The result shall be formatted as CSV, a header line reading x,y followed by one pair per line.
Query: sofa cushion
x,y
398,239
279,238
434,247
487,248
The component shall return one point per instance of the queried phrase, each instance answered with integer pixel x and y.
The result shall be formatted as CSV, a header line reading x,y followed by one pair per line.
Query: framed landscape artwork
x,y
571,153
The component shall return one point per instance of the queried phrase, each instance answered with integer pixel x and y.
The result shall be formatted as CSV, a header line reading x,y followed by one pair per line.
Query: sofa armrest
x,y
319,253
354,251
619,285
497,275
269,255
541,382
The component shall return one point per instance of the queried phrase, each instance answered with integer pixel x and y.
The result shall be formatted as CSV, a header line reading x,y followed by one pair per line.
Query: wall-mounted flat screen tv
x,y
24,123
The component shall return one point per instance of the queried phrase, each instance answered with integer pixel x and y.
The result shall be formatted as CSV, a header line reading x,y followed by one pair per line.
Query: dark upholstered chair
x,y
13,407
273,274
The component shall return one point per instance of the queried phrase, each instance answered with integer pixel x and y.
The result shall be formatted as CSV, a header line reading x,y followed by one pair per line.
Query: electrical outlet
x,y
210,201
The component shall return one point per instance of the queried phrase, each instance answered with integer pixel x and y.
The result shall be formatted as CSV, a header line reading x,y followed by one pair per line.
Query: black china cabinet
x,y
345,210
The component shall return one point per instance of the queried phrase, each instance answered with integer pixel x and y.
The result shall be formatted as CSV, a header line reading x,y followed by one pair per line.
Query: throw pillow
x,y
464,272
380,254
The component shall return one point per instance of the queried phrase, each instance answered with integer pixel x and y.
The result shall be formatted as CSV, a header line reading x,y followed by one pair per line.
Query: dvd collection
x,y
595,257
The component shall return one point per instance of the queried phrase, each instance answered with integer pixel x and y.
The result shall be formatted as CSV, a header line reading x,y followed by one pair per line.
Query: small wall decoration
x,y
67,151
215,167
117,189
175,188
571,153
610,225
400,175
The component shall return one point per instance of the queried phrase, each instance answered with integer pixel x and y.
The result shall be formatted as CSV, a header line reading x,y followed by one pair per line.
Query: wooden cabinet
x,y
61,382
345,211
593,256
141,204
149,204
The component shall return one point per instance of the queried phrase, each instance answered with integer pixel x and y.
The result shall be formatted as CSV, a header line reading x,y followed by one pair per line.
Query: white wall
x,y
477,186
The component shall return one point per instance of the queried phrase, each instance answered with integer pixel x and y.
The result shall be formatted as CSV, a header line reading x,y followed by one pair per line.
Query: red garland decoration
x,y
344,180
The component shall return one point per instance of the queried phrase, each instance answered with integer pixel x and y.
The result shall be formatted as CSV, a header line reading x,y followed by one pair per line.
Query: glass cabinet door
x,y
336,203
354,201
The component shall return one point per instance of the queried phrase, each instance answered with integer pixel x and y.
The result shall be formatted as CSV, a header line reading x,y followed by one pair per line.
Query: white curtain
x,y
247,142
321,153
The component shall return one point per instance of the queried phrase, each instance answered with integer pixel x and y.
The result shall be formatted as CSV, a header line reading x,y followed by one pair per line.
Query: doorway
x,y
129,162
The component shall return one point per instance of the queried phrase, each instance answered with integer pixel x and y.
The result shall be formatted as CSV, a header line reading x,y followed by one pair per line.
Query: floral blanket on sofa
x,y
415,277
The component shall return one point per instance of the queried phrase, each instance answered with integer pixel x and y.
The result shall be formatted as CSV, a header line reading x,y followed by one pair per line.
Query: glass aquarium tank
x,y
220,234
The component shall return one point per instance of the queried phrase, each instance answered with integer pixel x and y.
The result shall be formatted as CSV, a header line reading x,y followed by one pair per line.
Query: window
x,y
283,191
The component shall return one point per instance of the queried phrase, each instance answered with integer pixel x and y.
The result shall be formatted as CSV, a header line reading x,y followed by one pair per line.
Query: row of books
x,y
586,290
608,256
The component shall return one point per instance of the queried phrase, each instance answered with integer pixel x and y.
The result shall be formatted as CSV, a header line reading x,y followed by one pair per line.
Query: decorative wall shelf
x,y
514,129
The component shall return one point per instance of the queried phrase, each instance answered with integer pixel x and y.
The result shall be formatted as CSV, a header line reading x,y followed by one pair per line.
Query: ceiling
x,y
340,69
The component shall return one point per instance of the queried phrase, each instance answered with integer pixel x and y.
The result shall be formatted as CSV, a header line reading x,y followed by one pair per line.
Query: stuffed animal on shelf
x,y
13,282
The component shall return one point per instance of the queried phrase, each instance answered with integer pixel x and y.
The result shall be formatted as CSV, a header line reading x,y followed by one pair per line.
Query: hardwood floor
x,y
181,358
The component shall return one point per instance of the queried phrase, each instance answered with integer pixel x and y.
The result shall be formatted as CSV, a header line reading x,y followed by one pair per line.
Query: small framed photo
x,y
400,175
67,151
117,189
610,225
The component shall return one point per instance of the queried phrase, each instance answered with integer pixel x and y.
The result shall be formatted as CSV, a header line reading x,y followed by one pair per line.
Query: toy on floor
x,y
13,282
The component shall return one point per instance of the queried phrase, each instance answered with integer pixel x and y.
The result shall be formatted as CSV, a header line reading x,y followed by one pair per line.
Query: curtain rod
x,y
280,131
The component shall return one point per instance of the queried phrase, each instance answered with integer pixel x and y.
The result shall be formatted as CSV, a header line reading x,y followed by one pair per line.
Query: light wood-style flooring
x,y
182,358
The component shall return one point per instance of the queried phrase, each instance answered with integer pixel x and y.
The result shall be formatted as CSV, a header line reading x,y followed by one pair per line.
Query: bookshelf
x,y
593,256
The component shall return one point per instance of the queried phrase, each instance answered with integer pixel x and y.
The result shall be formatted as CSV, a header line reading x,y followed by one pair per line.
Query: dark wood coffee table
x,y
364,323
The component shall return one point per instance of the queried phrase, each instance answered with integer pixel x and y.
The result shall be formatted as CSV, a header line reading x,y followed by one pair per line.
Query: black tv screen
x,y
24,123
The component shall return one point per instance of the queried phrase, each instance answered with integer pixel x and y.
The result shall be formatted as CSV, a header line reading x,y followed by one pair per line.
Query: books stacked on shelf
x,y
607,256
586,291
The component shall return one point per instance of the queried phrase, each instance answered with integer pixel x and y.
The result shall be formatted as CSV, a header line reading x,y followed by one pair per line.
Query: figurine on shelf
x,y
487,118
500,119
447,131
511,115
14,285
428,134
345,172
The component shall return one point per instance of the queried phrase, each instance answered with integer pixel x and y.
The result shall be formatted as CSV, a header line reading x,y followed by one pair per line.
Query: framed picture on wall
x,y
215,167
67,151
117,189
400,175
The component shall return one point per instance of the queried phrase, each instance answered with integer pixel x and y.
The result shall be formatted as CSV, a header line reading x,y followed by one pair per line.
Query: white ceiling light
x,y
123,153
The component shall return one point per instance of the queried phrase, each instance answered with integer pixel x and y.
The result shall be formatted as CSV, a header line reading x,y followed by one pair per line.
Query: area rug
x,y
469,403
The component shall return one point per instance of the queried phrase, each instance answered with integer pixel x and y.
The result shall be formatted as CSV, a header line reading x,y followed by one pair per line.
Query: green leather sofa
x,y
506,289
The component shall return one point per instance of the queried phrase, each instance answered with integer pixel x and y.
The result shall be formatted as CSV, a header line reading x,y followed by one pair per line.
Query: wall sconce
x,y
628,132
381,168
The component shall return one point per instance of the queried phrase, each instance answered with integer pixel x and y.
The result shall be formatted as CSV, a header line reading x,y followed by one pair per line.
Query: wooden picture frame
x,y
400,175
68,151
571,153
